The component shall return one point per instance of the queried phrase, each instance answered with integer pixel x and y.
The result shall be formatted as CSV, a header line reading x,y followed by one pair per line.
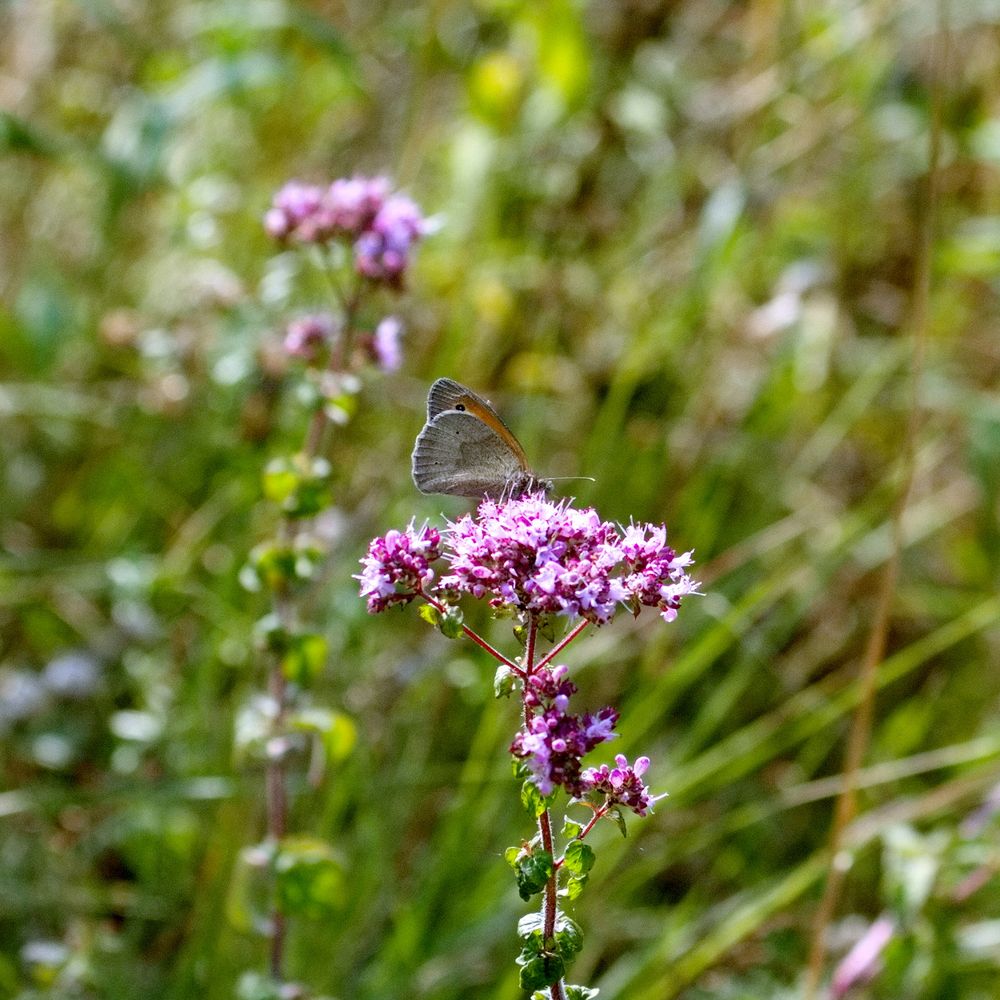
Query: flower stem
x,y
550,900
550,908
275,777
476,637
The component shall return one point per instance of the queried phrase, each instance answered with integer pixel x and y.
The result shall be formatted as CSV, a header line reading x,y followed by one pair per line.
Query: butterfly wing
x,y
458,454
447,395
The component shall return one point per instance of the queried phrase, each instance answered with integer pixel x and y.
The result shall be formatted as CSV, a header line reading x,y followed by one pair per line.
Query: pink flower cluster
x,y
621,784
381,224
541,556
655,577
545,557
553,742
398,566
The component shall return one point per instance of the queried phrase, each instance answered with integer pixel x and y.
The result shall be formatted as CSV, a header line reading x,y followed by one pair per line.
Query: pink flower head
x,y
536,556
545,557
382,252
655,576
307,335
621,784
553,742
354,203
401,217
361,210
398,566
293,206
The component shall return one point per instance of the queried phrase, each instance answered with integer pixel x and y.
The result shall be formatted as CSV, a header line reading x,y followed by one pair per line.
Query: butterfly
x,y
466,450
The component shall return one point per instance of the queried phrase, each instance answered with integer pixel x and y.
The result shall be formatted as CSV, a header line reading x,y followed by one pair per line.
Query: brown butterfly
x,y
466,450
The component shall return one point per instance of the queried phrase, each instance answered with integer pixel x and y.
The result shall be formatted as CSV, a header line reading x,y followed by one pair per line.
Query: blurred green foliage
x,y
679,243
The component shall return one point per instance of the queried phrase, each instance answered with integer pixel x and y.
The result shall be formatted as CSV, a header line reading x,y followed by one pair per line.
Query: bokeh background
x,y
681,248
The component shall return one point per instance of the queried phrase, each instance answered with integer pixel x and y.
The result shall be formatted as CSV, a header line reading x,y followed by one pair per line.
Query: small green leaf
x,y
530,924
309,880
533,871
541,971
430,614
569,938
336,730
305,659
451,622
280,479
504,681
313,492
580,993
300,485
532,799
619,818
341,408
575,885
511,855
277,566
578,858
571,828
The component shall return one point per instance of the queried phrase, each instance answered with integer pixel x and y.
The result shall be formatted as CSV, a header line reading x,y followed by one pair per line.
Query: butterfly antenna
x,y
563,479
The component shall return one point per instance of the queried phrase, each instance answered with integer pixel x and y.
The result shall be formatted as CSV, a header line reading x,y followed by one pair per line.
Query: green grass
x,y
623,189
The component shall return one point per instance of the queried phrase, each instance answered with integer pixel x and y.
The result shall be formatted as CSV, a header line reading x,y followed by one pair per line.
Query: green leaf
x,y
339,409
277,565
532,799
451,622
569,938
571,828
430,614
578,858
575,885
619,818
314,490
308,879
337,731
529,925
533,871
542,970
305,659
280,479
504,681
580,993
300,485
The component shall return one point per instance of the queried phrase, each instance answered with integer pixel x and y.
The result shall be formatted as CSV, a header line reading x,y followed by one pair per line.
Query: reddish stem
x,y
475,637
549,906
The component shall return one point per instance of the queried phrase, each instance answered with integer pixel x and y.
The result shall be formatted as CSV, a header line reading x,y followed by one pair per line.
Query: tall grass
x,y
679,244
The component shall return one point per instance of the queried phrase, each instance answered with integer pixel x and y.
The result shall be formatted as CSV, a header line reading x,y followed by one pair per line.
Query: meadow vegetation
x,y
738,262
